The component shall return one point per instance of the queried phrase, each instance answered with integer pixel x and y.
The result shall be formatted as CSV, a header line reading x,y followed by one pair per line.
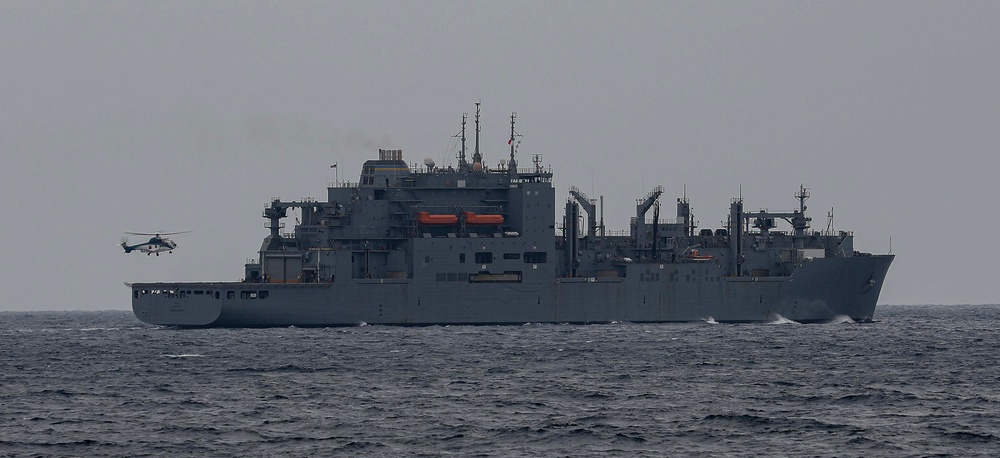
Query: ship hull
x,y
818,290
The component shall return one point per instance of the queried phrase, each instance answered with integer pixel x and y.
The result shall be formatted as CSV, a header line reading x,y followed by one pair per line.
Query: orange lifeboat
x,y
473,218
436,220
694,256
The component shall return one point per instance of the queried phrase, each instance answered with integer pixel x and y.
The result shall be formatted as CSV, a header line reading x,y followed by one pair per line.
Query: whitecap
x,y
778,319
842,319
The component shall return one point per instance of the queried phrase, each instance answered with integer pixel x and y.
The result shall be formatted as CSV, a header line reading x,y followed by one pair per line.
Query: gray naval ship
x,y
426,245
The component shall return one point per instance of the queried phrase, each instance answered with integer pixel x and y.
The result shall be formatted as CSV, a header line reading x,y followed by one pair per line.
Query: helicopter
x,y
156,244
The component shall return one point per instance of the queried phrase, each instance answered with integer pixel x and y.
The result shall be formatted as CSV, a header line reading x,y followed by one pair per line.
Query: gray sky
x,y
170,116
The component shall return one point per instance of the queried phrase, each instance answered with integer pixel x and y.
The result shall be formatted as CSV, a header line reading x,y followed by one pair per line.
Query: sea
x,y
918,381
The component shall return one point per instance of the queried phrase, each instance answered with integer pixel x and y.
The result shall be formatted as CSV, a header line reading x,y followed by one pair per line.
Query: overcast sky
x,y
172,116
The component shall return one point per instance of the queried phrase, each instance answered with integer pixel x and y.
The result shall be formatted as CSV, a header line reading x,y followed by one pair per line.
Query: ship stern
x,y
175,305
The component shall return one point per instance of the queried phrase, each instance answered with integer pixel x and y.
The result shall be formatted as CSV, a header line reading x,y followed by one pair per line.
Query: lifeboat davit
x,y
473,218
436,220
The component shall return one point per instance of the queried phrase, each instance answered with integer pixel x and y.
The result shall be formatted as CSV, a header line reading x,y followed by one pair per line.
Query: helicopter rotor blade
x,y
157,234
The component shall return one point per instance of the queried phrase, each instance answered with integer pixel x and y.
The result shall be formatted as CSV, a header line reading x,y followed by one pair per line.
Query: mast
x,y
512,164
462,164
800,222
802,195
477,158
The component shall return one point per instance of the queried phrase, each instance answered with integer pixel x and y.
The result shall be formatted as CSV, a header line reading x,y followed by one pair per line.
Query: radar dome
x,y
429,162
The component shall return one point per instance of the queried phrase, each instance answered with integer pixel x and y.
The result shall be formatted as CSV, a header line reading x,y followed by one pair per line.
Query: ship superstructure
x,y
420,245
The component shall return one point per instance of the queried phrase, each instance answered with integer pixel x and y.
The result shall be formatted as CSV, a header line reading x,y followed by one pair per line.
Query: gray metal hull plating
x,y
818,290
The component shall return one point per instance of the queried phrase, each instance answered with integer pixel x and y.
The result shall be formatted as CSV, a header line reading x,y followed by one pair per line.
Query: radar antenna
x,y
537,160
